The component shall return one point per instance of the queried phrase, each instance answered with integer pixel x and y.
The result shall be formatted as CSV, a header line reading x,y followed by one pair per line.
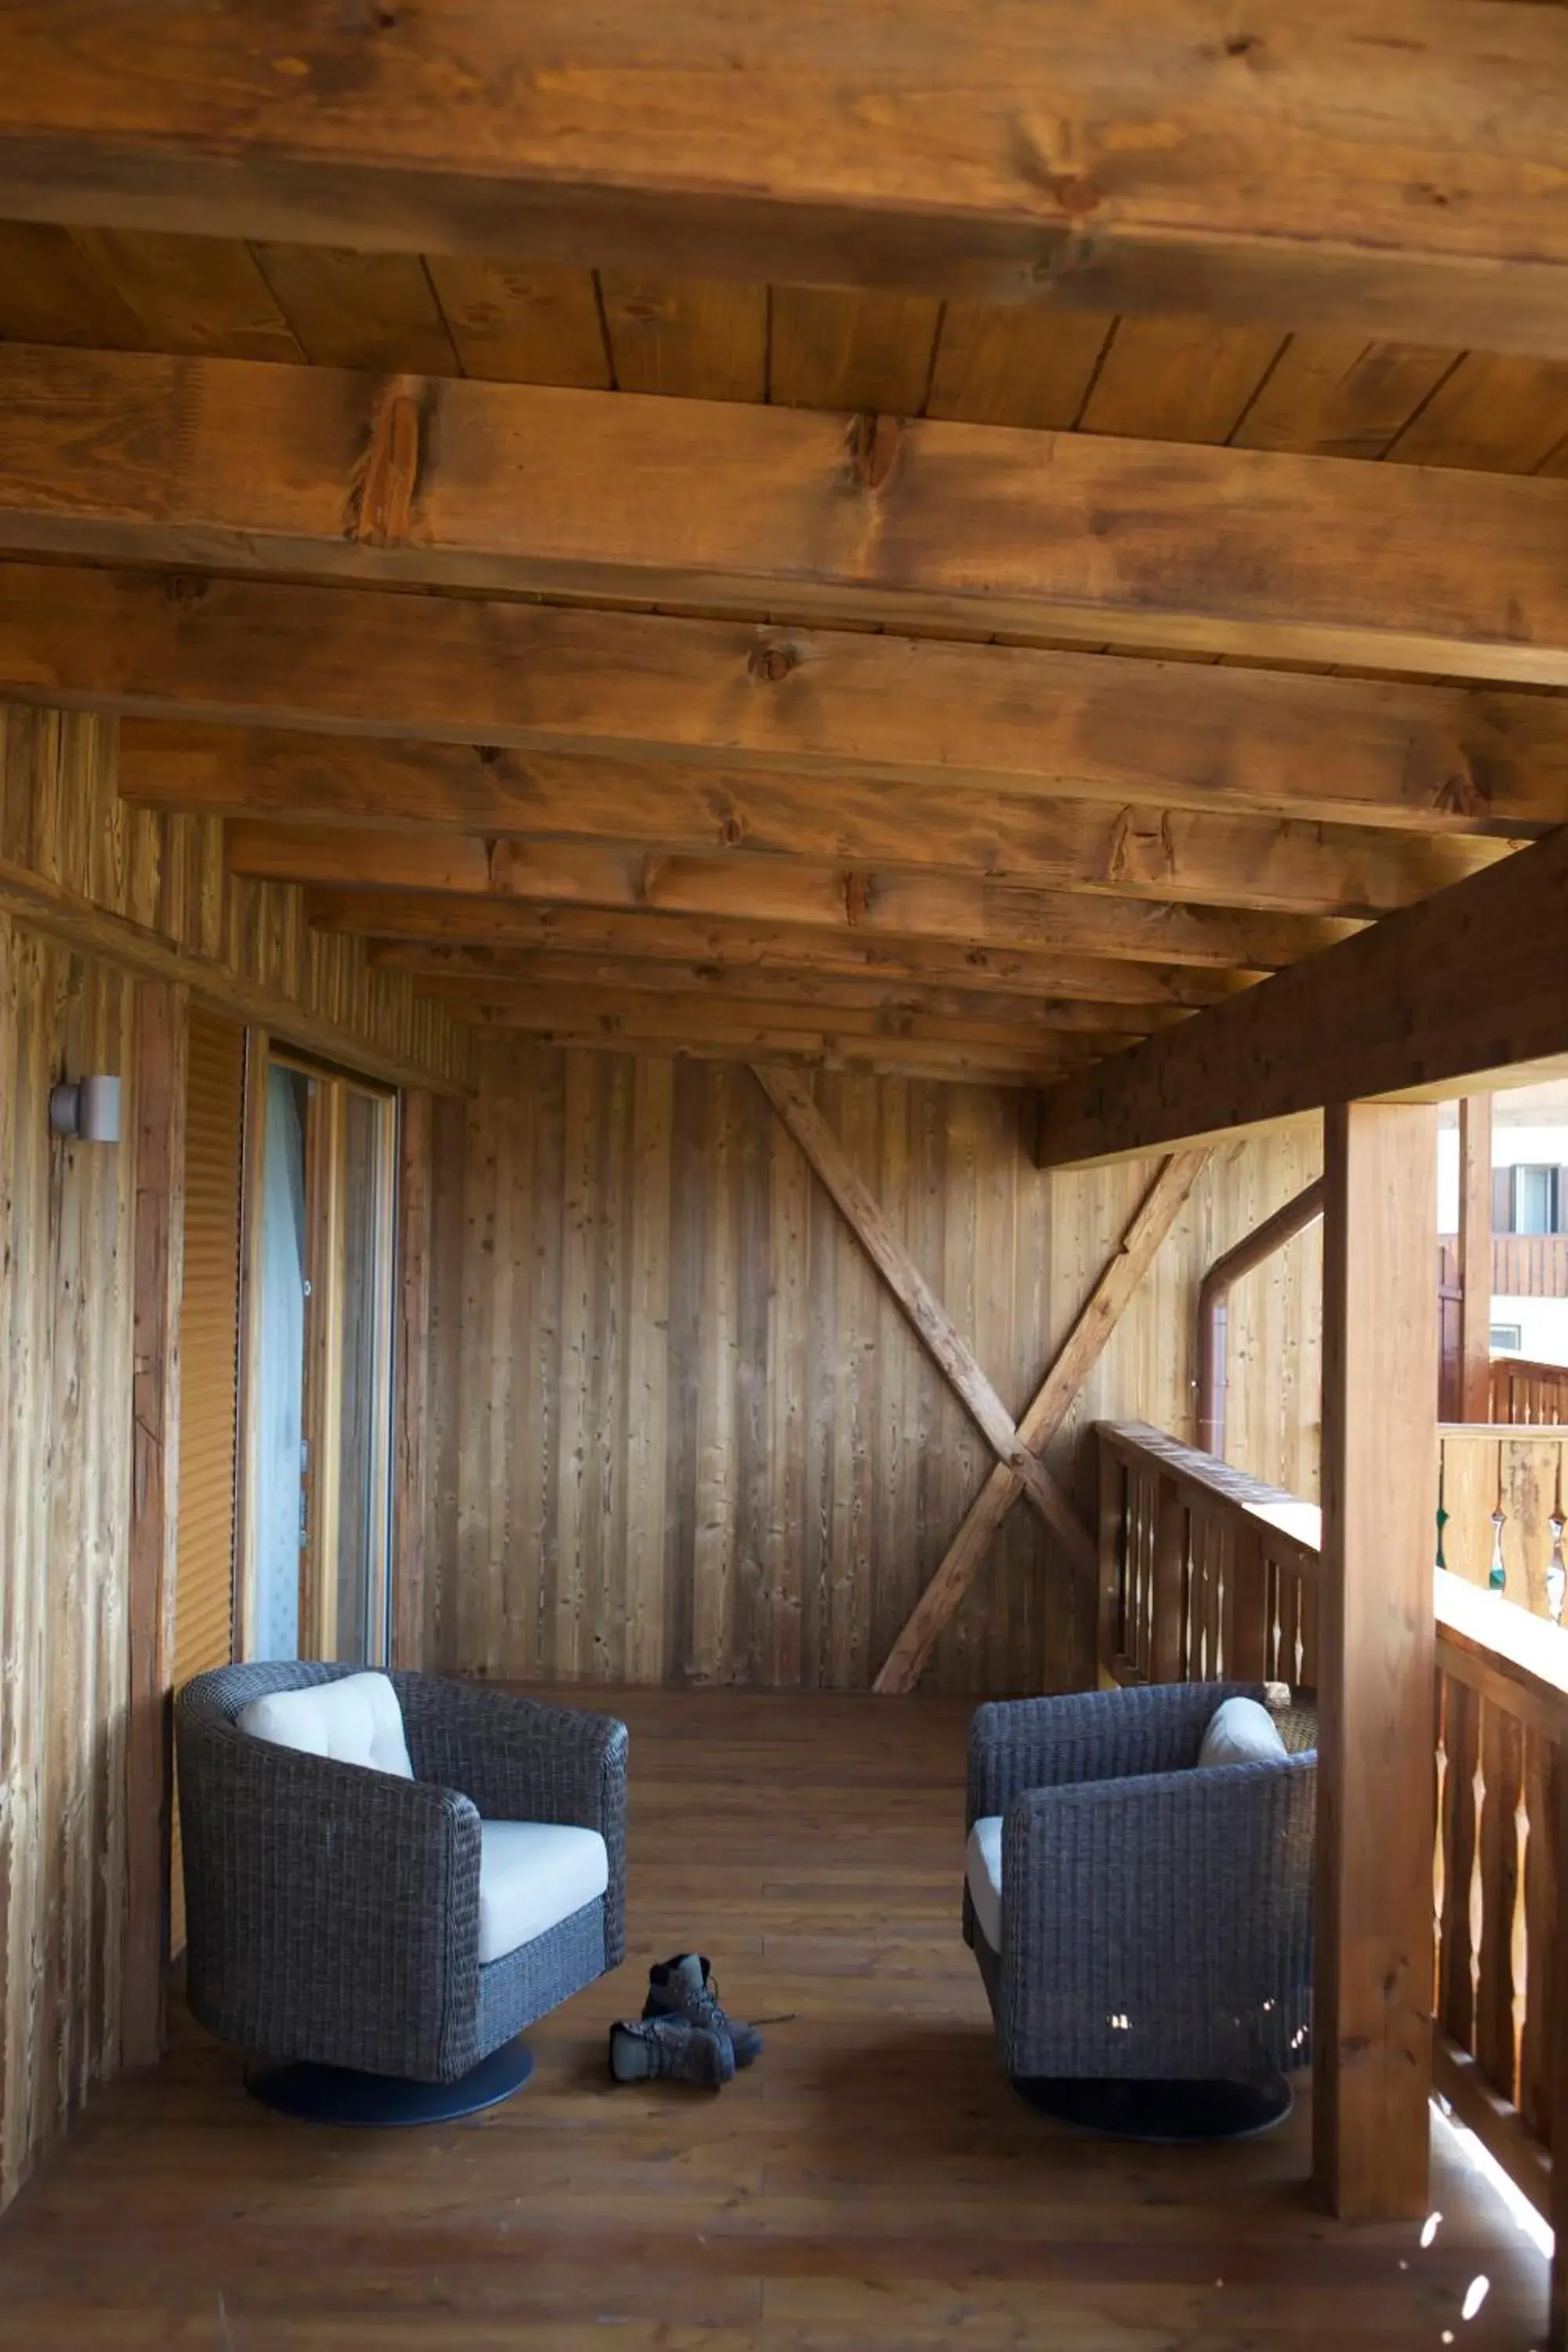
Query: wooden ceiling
x,y
1169,379
929,844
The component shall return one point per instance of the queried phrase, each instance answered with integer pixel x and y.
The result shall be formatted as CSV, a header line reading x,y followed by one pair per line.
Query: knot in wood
x,y
186,588
873,450
772,663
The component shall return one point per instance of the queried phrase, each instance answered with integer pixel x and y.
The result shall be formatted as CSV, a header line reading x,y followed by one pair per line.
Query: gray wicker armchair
x,y
1156,1921
333,1911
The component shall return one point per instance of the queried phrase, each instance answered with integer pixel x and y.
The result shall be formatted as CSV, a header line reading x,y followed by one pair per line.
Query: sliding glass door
x,y
318,1365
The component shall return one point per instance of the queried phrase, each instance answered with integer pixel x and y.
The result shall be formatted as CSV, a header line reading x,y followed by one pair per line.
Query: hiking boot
x,y
670,2049
684,1986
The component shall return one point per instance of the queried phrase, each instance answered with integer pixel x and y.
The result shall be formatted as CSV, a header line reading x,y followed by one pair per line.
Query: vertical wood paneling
x,y
65,1215
685,1433
61,819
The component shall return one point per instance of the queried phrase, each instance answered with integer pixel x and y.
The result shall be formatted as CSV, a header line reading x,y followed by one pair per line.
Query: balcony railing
x,y
1204,1571
1530,1266
1523,1392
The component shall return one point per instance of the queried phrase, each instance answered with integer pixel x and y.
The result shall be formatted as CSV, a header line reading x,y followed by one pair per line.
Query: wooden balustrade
x,y
1205,1572
1530,1266
1526,1394
1501,1498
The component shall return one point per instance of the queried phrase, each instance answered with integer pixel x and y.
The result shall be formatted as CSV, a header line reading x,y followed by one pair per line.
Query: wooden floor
x,y
871,2183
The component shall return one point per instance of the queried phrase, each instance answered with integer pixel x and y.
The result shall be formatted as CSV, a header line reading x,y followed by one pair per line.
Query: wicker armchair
x,y
1156,1921
332,1910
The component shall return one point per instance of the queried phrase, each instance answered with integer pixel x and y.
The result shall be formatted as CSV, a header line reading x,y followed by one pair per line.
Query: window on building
x,y
1507,1338
1532,1200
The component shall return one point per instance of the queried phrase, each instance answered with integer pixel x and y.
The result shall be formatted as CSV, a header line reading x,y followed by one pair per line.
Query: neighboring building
x,y
1529,1218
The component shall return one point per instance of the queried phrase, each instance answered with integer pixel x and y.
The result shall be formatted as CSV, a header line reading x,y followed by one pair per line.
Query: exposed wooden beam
x,y
667,806
959,1564
1474,1253
162,1017
802,1046
928,1318
490,976
1371,2007
1134,156
712,1015
64,914
1466,987
464,934
1026,722
898,904
133,456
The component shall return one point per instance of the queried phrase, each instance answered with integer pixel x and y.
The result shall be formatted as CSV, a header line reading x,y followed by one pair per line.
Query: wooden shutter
x,y
209,1361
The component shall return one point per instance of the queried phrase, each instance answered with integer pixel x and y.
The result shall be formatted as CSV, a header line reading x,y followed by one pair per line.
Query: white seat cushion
x,y
983,1869
533,1874
1241,1731
355,1720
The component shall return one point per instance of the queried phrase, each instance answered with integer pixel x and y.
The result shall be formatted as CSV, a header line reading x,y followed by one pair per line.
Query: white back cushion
x,y
533,1874
355,1720
1241,1731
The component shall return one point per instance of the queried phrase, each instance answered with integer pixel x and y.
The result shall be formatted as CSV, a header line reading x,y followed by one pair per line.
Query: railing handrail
x,y
1293,1527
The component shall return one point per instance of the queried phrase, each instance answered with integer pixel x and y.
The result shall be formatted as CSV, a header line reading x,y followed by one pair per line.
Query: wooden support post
x,y
411,1424
1373,1992
157,1282
1475,1257
928,1318
1156,1214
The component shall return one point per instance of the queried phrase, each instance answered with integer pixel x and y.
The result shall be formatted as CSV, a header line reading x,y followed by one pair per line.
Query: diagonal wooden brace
x,y
927,1315
1156,1214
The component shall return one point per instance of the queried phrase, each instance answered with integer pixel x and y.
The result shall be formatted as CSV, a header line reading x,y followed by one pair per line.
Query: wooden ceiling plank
x,y
194,294
1161,854
1018,367
1467,987
523,325
417,479
837,347
487,972
686,339
51,292
1238,741
1340,396
901,903
1178,379
1493,413
733,942
354,310
1122,158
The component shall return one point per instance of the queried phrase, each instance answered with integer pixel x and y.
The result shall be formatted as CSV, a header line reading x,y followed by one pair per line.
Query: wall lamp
x,y
89,1110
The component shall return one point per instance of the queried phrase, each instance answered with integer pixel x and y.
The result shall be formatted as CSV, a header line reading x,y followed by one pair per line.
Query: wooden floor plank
x,y
871,2183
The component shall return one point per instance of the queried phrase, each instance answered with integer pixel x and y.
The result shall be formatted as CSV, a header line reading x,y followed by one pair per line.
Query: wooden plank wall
x,y
65,1483
61,818
683,1434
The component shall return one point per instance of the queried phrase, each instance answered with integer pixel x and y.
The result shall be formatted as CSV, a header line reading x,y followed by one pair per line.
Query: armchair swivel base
x,y
1159,2108
342,2095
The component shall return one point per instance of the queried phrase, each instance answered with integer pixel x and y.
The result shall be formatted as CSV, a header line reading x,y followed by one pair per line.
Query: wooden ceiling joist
x,y
667,806
489,932
132,457
1468,986
1020,721
488,976
1138,155
894,903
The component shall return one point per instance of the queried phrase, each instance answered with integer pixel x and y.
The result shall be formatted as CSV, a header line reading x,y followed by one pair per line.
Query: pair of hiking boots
x,y
683,2034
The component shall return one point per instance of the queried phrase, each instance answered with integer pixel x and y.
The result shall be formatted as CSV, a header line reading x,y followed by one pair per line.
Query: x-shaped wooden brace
x,y
1018,1445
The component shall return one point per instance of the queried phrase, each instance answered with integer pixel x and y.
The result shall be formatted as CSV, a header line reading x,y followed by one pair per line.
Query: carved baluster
x,y
1439,1853
1519,1942
1497,1577
1478,1889
1556,1573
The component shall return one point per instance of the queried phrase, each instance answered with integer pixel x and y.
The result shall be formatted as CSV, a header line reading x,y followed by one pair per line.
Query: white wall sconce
x,y
89,1110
